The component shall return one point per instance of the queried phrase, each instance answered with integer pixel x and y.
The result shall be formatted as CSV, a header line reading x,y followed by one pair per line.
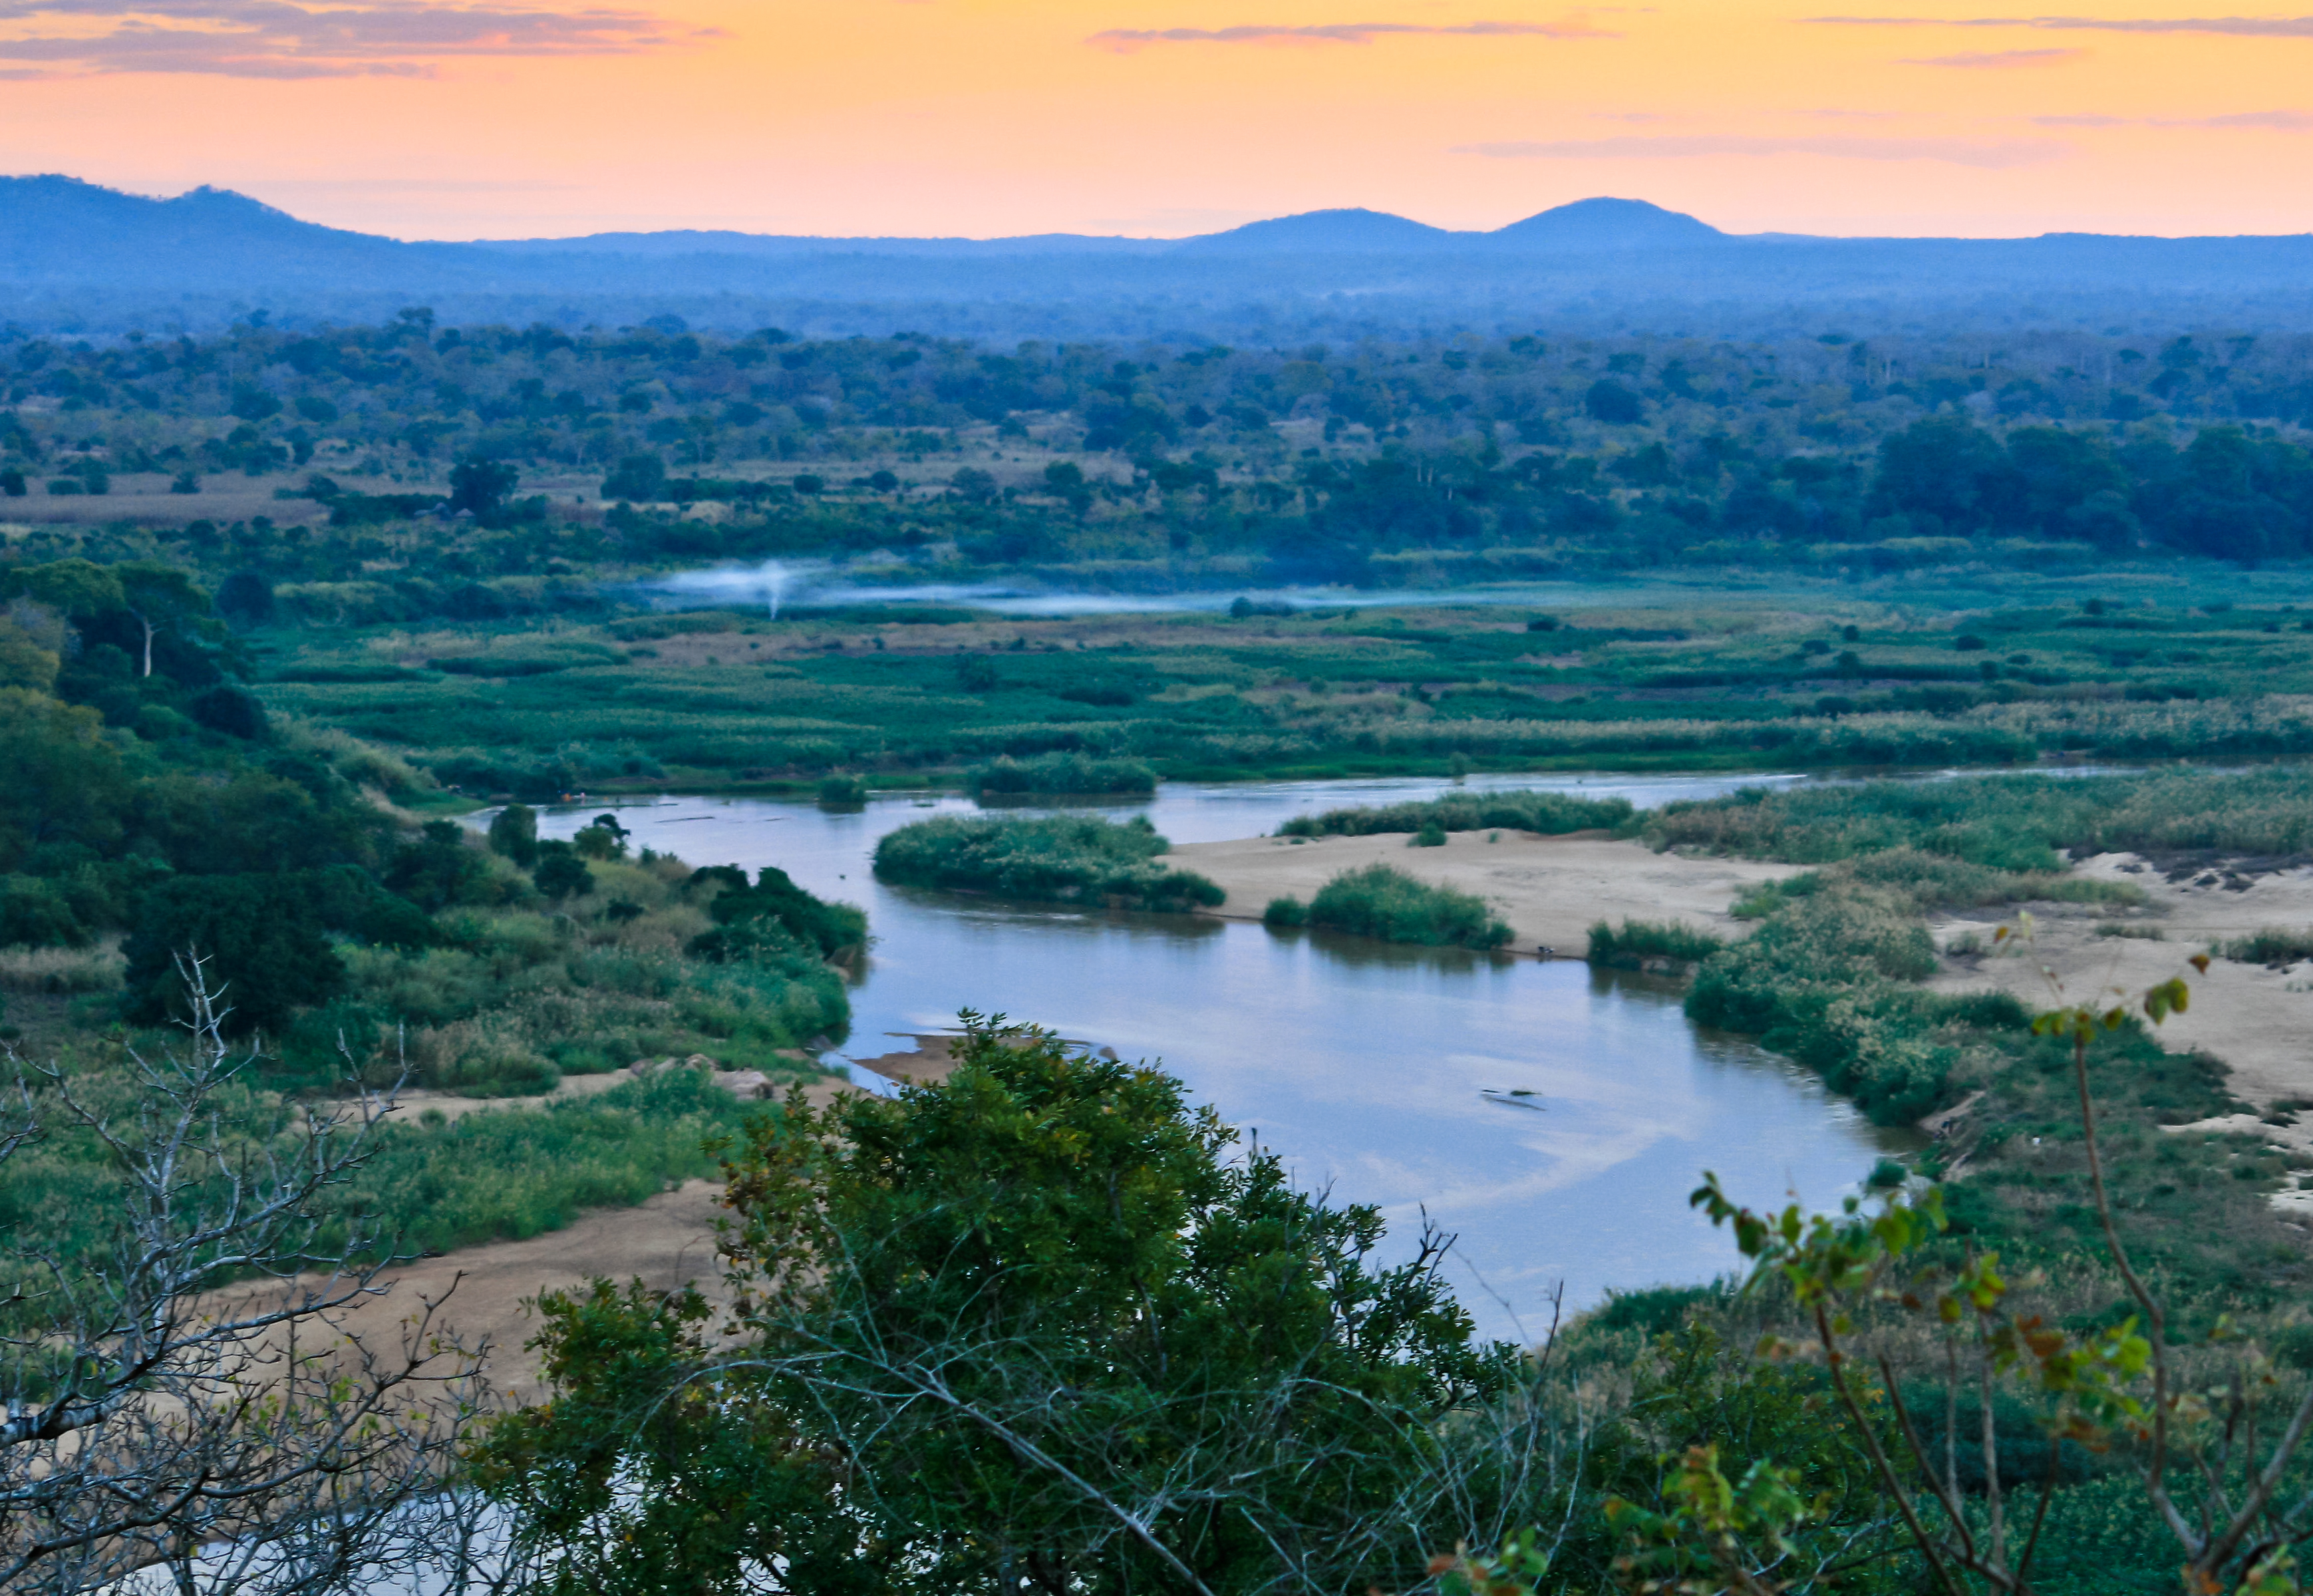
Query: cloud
x,y
1996,58
308,39
2239,27
1959,150
2284,122
1125,42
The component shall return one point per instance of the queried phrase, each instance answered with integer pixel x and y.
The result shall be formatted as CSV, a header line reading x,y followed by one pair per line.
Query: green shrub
x,y
1826,980
1640,940
1431,835
842,791
1552,814
561,873
1059,773
1067,859
1284,911
265,951
514,833
1387,903
745,916
2269,947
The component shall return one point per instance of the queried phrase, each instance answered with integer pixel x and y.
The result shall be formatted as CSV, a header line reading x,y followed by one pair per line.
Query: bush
x,y
1284,911
1387,903
514,833
1552,813
744,916
1640,940
561,873
2269,947
231,711
1059,773
260,935
842,792
1064,858
35,913
1431,835
1826,979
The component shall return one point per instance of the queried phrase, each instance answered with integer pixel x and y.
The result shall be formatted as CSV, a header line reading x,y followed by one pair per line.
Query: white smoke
x,y
811,583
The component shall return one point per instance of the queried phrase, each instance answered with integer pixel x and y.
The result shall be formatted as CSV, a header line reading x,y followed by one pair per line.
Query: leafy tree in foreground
x,y
1031,1329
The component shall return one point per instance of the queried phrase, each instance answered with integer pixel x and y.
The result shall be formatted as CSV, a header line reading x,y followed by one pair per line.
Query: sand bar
x,y
1551,890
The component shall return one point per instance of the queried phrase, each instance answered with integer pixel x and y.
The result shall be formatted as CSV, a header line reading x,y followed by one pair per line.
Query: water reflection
x,y
1553,1116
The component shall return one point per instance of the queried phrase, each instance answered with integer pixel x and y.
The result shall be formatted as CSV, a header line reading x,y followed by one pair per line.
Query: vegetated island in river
x,y
1075,774
1061,859
1384,901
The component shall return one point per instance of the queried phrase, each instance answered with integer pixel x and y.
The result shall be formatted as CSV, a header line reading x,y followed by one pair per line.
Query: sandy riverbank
x,y
2258,1021
1551,890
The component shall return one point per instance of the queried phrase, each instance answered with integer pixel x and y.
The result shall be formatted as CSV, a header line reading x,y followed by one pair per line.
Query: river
x,y
1382,1074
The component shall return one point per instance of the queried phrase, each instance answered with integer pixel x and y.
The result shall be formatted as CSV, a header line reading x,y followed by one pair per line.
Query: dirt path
x,y
1550,889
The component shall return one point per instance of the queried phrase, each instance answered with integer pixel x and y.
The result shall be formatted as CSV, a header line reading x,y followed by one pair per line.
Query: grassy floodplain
x,y
1803,680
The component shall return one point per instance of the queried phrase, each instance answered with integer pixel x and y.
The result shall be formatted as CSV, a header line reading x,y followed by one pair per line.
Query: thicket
x,y
2010,823
1382,901
1061,773
1067,859
1831,978
430,1183
1552,814
1638,942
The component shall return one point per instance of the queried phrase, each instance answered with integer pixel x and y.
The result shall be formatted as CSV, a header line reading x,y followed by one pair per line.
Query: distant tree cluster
x,y
1560,456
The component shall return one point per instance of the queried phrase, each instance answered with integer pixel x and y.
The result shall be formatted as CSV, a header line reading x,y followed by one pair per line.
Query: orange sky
x,y
991,117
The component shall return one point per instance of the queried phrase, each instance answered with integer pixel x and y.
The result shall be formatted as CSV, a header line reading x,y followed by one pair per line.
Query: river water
x,y
1381,1073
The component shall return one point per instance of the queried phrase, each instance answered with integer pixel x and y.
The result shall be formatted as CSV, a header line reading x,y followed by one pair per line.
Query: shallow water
x,y
1380,1073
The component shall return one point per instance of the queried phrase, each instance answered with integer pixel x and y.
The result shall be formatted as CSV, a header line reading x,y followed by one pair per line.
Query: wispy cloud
x,y
309,38
2243,26
1996,58
1126,40
2284,122
1962,151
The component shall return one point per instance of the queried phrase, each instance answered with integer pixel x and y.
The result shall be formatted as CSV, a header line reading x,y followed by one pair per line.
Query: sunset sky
x,y
1170,117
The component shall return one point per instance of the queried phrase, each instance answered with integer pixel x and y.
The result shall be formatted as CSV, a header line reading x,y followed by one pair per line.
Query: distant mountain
x,y
61,231
1325,232
668,246
78,257
1601,225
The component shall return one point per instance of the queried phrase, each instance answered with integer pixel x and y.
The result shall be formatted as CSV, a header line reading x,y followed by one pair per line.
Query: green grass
x,y
428,1186
1065,859
1714,682
1384,903
1059,773
1552,814
1640,940
2007,823
2272,947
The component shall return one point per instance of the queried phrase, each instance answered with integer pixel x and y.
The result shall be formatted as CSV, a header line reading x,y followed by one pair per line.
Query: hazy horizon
x,y
425,119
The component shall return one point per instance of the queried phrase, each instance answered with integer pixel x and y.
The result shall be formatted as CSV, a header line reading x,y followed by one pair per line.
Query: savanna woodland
x,y
305,625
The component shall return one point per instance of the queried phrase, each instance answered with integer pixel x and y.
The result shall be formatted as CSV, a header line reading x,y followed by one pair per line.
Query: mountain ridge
x,y
76,256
